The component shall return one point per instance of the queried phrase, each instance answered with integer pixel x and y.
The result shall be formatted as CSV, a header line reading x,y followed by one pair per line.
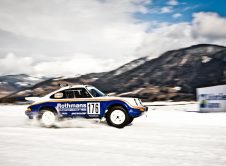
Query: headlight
x,y
28,109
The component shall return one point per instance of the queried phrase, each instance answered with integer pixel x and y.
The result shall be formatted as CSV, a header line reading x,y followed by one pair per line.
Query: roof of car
x,y
67,87
73,86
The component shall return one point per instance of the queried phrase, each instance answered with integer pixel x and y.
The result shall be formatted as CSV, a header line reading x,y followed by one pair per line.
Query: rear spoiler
x,y
32,98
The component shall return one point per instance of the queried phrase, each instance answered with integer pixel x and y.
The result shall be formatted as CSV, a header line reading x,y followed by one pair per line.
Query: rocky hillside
x,y
49,85
174,75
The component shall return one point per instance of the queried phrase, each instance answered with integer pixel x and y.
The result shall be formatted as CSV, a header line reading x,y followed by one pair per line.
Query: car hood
x,y
128,100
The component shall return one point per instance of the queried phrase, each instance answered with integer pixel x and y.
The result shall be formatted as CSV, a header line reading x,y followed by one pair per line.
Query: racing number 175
x,y
93,108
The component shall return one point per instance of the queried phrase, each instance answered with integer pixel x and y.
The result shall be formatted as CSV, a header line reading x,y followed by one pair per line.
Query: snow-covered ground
x,y
168,136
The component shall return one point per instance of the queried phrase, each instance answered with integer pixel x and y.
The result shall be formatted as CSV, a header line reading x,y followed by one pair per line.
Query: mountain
x,y
48,85
52,84
174,75
13,83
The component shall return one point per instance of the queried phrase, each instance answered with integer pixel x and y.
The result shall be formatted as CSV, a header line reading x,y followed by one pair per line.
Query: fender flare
x,y
117,103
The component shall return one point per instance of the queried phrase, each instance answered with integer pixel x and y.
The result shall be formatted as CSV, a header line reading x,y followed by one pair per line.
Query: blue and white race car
x,y
87,102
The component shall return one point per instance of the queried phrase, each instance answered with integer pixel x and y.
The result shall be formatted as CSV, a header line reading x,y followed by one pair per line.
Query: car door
x,y
70,103
77,101
84,105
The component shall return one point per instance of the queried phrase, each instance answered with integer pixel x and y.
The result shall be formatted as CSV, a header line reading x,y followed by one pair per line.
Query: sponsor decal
x,y
71,107
219,96
91,108
209,100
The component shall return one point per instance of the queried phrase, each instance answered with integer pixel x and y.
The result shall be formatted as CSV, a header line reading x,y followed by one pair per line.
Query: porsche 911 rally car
x,y
87,102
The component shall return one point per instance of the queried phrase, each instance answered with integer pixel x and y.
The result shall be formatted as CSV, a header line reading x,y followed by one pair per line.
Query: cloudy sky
x,y
70,37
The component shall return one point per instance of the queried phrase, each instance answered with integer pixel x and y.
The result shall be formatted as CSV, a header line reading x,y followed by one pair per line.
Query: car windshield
x,y
95,92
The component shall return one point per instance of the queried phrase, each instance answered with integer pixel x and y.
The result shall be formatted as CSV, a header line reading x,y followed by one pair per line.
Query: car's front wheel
x,y
117,117
48,118
130,120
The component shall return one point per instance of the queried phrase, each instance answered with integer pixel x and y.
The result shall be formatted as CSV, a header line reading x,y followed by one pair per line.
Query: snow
x,y
130,66
206,59
170,135
67,77
131,92
22,83
3,82
34,79
184,60
186,104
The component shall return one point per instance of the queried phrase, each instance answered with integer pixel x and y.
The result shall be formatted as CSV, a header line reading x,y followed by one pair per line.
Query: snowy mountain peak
x,y
129,66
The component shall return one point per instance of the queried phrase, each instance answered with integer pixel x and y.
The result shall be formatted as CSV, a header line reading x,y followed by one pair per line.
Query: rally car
x,y
87,102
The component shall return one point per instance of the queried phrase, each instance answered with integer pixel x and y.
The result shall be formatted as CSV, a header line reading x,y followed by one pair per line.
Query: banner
x,y
212,99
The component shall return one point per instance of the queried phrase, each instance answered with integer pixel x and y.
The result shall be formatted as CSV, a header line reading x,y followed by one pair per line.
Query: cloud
x,y
66,20
166,9
209,25
205,28
60,38
177,15
60,30
14,64
70,66
166,37
172,2
11,64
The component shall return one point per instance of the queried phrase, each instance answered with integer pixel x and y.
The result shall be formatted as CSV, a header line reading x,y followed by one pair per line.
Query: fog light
x,y
142,109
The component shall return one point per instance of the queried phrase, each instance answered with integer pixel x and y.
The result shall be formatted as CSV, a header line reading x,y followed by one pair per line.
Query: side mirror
x,y
58,95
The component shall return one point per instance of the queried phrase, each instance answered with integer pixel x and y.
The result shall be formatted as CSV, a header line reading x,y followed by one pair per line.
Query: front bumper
x,y
138,111
141,108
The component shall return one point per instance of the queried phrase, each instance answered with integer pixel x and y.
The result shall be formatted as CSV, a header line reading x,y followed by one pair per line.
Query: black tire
x,y
30,117
42,110
130,120
111,122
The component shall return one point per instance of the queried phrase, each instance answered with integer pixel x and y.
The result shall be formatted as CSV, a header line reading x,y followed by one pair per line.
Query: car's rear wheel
x,y
117,117
48,118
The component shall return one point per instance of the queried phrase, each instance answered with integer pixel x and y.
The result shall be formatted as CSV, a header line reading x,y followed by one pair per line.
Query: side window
x,y
81,93
71,93
85,94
